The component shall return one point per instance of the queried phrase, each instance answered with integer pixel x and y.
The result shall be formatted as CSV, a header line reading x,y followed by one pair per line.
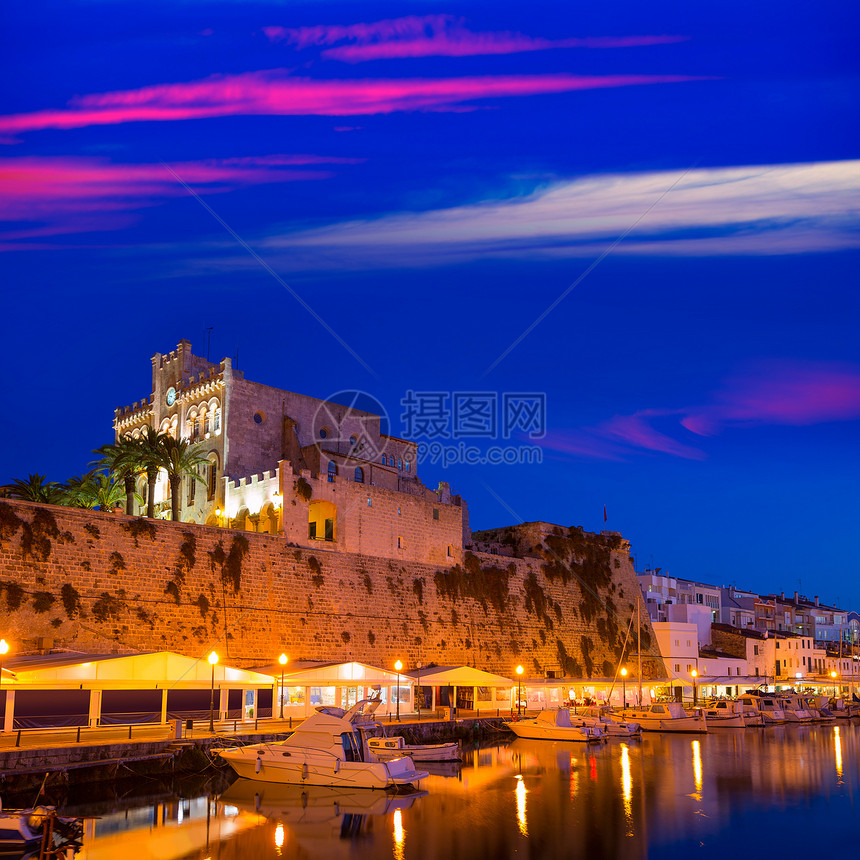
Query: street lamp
x,y
695,675
4,649
624,686
213,659
283,661
398,666
519,687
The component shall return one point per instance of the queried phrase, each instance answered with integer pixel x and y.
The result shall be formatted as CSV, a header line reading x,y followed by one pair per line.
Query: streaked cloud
x,y
434,36
775,392
277,93
759,209
781,393
82,194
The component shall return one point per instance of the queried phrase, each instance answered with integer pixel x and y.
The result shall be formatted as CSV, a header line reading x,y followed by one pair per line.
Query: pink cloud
x,y
636,430
72,195
275,93
581,444
435,35
782,392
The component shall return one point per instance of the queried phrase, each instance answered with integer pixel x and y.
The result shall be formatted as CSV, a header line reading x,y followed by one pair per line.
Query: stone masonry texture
x,y
100,583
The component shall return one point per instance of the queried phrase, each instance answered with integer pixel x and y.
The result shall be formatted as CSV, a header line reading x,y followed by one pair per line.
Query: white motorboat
x,y
555,725
328,748
600,716
725,714
387,748
664,717
766,706
20,829
795,711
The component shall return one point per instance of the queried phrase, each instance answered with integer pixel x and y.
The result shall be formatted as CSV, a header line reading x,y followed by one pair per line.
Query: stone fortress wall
x,y
100,583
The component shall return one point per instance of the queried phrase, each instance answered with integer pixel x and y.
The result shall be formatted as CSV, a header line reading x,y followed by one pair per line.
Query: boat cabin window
x,y
658,709
351,747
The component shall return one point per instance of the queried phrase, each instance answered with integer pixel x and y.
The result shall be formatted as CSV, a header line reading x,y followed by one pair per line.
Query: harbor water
x,y
785,790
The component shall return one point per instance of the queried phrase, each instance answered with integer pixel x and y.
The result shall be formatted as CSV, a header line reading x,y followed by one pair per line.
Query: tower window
x,y
332,471
359,475
323,433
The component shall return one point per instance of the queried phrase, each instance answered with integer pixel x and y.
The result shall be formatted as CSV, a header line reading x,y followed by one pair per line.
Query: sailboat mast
x,y
639,647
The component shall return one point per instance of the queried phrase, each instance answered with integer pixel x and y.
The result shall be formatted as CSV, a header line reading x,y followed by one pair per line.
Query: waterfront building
x,y
683,601
738,608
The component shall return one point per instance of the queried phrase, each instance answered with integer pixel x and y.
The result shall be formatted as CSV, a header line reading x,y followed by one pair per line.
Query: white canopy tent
x,y
308,684
71,688
464,687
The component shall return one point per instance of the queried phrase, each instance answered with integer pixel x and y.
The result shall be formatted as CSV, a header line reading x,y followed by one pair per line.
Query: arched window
x,y
332,470
408,466
384,460
359,475
399,463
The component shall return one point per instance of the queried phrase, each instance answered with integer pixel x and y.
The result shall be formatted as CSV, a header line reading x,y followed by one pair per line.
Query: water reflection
x,y
521,806
697,769
627,787
529,798
837,744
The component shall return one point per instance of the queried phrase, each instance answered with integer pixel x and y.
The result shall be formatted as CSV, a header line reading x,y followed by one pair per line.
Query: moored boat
x,y
600,716
555,725
725,714
763,704
665,717
795,710
329,748
386,748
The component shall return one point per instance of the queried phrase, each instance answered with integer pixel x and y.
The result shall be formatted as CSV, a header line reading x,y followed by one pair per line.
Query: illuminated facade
x,y
320,473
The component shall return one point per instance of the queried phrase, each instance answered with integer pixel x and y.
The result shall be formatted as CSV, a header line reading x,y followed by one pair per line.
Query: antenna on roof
x,y
236,359
208,331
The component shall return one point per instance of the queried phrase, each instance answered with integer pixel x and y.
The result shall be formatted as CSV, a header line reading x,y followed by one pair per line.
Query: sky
x,y
617,238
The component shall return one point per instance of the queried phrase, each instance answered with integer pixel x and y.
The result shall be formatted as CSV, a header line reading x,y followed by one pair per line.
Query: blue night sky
x,y
430,179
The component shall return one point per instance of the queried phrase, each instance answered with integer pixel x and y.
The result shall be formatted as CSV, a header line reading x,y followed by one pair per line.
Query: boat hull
x,y
386,749
294,769
577,734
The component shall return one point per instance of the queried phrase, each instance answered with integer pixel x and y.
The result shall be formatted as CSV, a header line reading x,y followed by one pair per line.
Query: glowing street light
x,y
4,649
519,687
398,666
283,661
624,685
695,675
213,659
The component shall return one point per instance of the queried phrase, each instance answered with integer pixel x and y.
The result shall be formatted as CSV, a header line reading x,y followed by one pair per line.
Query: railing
x,y
140,732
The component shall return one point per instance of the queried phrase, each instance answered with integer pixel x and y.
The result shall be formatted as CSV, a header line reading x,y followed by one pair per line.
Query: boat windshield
x,y
352,747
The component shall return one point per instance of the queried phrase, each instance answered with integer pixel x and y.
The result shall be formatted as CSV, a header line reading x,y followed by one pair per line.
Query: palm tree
x,y
152,457
93,490
35,489
122,459
181,459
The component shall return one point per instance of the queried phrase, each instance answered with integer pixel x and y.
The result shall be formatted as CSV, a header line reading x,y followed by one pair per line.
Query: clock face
x,y
171,396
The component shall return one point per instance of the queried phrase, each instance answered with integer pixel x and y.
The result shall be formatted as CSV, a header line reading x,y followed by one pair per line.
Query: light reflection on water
x,y
661,796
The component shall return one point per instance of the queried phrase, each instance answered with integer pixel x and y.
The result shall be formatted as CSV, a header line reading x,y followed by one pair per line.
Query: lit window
x,y
399,543
332,470
369,502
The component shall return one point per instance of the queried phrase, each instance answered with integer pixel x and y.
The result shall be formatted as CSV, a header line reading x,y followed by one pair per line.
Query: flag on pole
x,y
604,513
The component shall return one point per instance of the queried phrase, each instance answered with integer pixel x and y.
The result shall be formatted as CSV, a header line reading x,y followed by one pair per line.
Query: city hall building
x,y
321,474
